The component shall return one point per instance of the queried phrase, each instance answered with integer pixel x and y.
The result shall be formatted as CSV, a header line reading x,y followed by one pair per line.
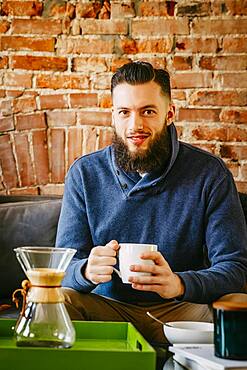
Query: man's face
x,y
140,112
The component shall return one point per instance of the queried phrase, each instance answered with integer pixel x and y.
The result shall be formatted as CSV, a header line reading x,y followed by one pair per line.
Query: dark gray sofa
x,y
30,221
24,220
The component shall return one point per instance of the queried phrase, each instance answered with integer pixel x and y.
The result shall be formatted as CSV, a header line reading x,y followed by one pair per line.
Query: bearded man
x,y
148,187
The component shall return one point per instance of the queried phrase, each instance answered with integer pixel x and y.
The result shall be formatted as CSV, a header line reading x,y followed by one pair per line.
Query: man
x,y
148,187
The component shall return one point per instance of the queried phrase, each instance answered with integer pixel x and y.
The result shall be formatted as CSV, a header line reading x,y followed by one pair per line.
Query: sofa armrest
x,y
24,221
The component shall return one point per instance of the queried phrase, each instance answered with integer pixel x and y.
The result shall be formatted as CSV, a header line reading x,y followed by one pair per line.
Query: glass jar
x,y
230,328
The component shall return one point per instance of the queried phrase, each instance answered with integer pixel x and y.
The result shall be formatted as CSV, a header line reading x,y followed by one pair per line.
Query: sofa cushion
x,y
27,221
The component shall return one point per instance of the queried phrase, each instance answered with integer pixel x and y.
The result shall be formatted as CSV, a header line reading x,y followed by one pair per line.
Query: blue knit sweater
x,y
190,209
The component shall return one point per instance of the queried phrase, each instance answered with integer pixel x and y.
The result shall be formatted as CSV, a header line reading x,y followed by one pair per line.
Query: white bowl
x,y
189,332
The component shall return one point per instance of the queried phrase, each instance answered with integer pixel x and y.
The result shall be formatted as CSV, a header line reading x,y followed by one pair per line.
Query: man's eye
x,y
123,112
148,112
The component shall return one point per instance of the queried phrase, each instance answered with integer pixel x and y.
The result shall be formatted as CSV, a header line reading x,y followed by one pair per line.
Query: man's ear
x,y
112,117
170,114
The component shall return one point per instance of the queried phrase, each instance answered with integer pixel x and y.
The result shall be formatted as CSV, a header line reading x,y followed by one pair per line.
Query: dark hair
x,y
136,73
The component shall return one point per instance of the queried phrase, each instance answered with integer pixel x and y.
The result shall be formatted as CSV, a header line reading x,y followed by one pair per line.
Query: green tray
x,y
99,346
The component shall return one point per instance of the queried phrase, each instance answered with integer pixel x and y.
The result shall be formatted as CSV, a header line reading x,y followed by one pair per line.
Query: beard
x,y
154,157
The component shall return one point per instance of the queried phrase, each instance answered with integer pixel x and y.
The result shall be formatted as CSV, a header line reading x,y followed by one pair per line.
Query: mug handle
x,y
117,272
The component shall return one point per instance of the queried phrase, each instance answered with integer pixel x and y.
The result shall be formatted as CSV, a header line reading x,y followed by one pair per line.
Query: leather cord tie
x,y
4,307
45,286
25,287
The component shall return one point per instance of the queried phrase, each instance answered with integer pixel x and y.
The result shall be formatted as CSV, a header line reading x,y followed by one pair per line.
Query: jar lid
x,y
230,306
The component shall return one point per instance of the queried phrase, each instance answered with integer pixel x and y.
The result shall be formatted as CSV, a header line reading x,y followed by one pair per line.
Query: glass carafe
x,y
44,320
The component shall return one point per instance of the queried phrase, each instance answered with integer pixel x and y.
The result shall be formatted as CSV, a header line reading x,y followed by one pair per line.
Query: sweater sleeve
x,y
74,232
226,244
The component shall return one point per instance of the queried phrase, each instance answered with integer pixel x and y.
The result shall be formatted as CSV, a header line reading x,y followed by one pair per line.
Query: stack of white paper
x,y
201,357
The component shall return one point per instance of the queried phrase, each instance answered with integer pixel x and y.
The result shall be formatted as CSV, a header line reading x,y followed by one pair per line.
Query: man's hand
x,y
162,281
100,261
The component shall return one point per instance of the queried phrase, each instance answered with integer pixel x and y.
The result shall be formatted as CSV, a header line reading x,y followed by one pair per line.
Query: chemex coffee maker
x,y
44,320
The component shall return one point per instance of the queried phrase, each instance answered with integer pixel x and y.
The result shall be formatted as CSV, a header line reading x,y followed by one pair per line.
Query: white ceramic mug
x,y
129,254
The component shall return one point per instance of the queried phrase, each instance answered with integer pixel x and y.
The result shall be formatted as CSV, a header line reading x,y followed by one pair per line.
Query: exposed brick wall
x,y
57,58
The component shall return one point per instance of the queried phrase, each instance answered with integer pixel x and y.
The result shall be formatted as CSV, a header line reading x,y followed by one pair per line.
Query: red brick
x,y
30,121
61,118
25,191
62,81
233,167
182,63
221,98
122,10
75,140
180,131
206,146
57,155
235,62
101,81
53,101
94,118
89,139
241,186
191,80
152,8
8,162
27,43
233,115
159,45
178,95
234,44
195,115
229,7
92,64
160,27
6,107
14,93
37,26
6,123
51,189
105,12
40,153
4,26
209,133
20,93
3,62
196,44
236,134
24,104
56,9
244,171
218,26
103,27
24,160
83,100
234,152
39,63
105,100
128,45
16,79
238,80
220,134
118,62
85,46
20,8
105,138
194,9
157,62
88,10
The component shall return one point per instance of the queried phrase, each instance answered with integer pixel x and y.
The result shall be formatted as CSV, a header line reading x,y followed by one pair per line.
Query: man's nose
x,y
136,122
